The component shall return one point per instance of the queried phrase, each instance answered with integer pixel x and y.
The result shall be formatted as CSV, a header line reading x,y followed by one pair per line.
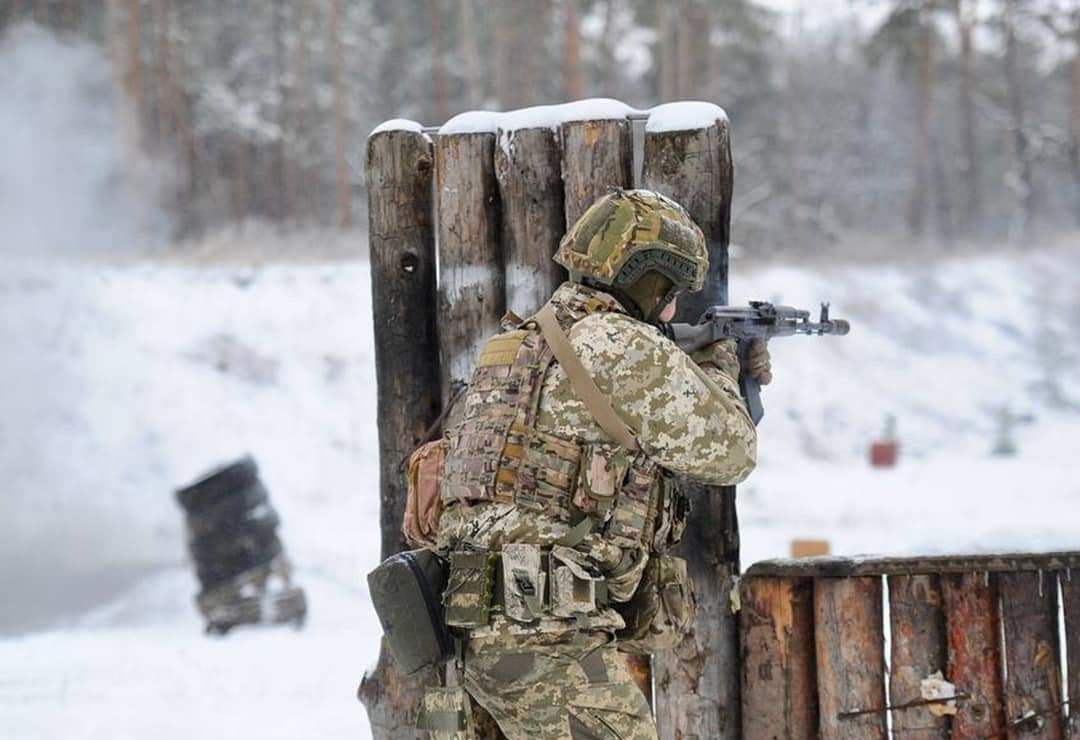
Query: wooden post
x,y
919,649
779,685
1029,615
849,638
698,685
471,293
1070,590
971,614
399,173
528,168
597,156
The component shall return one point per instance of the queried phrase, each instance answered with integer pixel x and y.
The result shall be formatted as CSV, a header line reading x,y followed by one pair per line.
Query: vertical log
x,y
695,168
698,688
779,686
919,648
849,638
597,155
399,172
1029,615
971,614
471,285
1070,590
527,165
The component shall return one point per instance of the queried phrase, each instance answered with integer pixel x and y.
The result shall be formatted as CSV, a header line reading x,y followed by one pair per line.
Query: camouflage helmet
x,y
628,233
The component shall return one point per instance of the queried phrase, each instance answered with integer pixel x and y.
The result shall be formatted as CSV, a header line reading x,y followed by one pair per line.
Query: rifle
x,y
762,320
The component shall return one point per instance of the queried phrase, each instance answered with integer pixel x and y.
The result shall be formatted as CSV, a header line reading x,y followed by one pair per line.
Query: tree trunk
x,y
1024,185
596,156
474,91
296,189
438,62
1070,591
500,57
399,173
337,48
133,80
572,77
1074,129
608,71
667,56
966,15
917,198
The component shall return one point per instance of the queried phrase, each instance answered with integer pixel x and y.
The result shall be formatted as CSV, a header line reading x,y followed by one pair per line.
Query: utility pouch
x,y
673,513
603,468
470,589
573,582
632,517
423,504
405,590
663,608
523,582
447,714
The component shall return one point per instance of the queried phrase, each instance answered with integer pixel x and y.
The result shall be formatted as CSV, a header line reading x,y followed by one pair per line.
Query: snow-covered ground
x,y
121,381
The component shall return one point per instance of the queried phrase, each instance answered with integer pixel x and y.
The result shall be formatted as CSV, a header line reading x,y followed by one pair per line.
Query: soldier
x,y
560,504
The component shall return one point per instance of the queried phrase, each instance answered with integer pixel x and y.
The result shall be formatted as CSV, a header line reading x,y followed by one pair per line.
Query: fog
x,y
69,179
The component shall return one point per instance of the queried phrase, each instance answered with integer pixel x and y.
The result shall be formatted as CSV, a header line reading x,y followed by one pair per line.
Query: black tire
x,y
217,484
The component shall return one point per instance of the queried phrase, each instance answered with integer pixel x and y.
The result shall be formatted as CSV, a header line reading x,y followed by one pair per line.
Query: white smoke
x,y
70,181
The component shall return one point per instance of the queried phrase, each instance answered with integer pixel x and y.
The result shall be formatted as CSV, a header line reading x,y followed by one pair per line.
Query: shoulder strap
x,y
598,404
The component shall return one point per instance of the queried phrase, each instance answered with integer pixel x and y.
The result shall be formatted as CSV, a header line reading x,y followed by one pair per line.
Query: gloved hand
x,y
759,364
720,355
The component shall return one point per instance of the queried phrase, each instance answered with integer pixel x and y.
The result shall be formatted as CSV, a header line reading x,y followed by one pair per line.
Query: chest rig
x,y
497,454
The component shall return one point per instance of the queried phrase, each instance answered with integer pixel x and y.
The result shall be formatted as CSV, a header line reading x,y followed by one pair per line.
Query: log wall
x,y
990,624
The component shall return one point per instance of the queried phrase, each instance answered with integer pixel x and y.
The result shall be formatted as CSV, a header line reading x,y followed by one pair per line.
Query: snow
x,y
397,124
688,115
122,380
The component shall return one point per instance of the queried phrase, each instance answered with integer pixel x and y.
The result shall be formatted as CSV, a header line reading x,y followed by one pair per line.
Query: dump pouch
x,y
406,590
663,608
423,504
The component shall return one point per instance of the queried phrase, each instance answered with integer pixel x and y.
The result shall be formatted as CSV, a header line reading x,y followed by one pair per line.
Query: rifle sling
x,y
595,401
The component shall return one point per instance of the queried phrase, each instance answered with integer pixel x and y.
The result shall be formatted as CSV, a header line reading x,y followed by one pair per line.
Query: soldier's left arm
x,y
690,420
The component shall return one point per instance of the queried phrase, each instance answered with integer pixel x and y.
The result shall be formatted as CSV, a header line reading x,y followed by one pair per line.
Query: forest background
x,y
946,121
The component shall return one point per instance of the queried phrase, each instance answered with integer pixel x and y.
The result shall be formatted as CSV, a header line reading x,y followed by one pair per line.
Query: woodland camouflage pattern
x,y
558,678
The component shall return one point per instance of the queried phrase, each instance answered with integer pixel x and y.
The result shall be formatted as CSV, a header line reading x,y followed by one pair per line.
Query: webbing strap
x,y
595,401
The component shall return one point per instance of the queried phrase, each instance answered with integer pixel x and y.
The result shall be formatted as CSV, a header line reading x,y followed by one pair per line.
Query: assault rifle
x,y
761,320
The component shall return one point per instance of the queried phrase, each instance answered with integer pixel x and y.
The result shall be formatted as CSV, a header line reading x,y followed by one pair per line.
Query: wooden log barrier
x,y
974,645
919,649
596,156
1029,615
471,285
849,640
779,686
399,174
529,172
1070,591
698,684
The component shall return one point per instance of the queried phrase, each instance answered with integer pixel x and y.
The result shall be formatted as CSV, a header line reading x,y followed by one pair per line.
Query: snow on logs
x,y
989,624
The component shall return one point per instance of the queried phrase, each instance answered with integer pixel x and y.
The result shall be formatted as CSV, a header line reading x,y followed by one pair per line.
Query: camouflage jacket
x,y
689,420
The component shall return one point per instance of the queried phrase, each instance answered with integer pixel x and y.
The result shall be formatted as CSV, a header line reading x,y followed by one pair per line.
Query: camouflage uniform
x,y
559,675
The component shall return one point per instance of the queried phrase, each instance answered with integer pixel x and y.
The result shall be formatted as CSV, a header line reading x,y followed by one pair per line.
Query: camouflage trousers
x,y
568,686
